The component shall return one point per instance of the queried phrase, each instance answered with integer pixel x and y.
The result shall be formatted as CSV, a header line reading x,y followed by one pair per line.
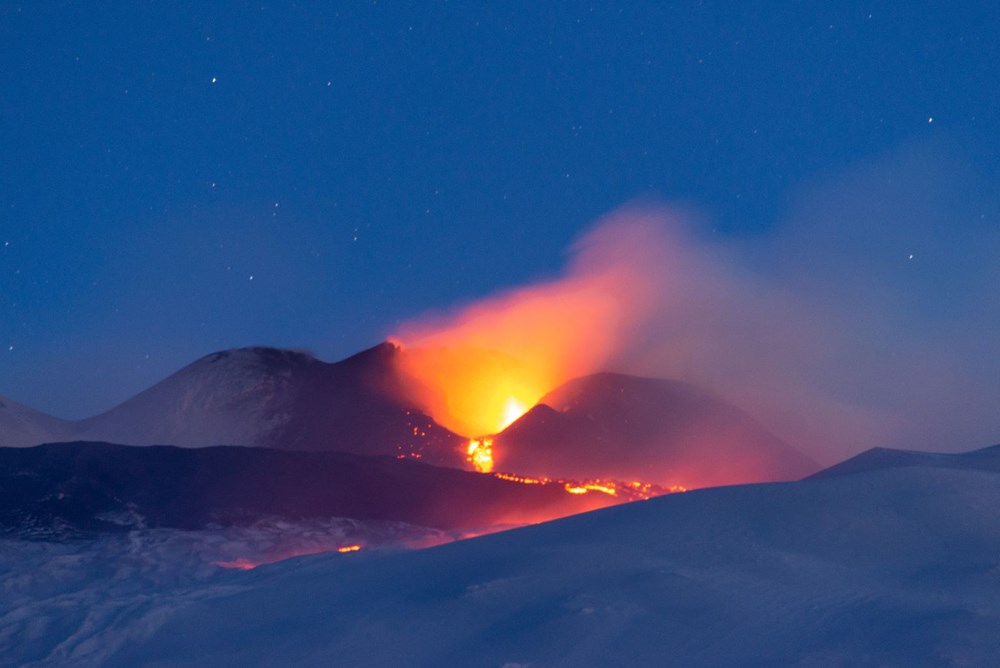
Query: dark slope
x,y
83,487
280,399
985,459
616,426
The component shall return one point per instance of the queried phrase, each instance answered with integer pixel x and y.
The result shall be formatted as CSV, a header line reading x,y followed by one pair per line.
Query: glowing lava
x,y
625,491
479,368
583,488
511,412
480,454
471,390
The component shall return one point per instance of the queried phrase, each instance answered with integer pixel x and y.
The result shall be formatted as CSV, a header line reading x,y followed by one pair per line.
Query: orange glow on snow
x,y
238,564
243,564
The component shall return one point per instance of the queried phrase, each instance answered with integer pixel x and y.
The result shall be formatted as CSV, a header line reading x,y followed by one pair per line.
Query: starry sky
x,y
179,178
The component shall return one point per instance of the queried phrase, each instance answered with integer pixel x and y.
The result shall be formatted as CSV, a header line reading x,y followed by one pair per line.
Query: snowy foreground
x,y
893,560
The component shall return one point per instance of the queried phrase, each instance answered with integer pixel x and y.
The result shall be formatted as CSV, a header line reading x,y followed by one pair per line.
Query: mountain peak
x,y
635,428
383,353
257,356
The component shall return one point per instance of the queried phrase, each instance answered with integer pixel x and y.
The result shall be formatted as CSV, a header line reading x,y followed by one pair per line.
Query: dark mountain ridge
x,y
983,459
605,425
632,428
87,487
265,397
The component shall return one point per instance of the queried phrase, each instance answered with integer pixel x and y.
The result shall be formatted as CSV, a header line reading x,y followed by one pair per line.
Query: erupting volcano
x,y
479,370
522,376
515,390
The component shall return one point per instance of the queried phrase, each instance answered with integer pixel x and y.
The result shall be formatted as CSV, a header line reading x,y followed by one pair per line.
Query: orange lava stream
x,y
480,454
627,491
248,564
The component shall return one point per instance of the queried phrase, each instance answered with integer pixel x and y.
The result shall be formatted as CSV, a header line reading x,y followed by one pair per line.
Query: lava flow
x,y
624,491
480,454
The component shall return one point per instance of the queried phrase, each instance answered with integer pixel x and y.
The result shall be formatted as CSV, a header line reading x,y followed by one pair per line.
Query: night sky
x,y
177,180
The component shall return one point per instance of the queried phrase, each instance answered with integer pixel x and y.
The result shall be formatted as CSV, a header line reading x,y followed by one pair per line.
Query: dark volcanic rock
x,y
86,487
629,428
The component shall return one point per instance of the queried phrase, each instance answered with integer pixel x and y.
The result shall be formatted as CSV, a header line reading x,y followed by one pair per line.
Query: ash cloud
x,y
866,317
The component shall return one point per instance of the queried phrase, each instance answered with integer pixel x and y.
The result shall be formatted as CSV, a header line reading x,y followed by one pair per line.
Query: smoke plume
x,y
866,317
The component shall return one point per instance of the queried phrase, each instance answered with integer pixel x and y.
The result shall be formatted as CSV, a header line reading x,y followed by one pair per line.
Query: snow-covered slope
x,y
985,459
882,566
235,397
21,426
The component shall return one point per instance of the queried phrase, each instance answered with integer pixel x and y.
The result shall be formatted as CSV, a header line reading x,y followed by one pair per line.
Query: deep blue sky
x,y
177,180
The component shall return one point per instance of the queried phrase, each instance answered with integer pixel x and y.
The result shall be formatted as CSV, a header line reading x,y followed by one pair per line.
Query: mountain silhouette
x,y
606,425
611,425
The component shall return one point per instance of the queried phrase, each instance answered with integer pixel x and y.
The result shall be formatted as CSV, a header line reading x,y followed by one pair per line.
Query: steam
x,y
515,347
867,317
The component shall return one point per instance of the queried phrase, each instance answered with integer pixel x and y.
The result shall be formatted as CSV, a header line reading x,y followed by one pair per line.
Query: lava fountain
x,y
478,370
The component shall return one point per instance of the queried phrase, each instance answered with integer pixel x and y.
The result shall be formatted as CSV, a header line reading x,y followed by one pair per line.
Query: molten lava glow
x,y
480,369
583,488
471,390
522,479
512,411
625,491
480,454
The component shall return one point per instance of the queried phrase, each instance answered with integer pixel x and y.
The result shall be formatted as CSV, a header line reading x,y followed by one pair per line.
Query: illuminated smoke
x,y
482,368
868,317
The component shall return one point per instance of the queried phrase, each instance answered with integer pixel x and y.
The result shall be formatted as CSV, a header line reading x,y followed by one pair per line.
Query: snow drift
x,y
893,563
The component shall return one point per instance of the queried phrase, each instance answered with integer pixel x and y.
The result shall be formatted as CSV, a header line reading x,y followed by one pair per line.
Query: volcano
x,y
630,428
603,426
267,397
